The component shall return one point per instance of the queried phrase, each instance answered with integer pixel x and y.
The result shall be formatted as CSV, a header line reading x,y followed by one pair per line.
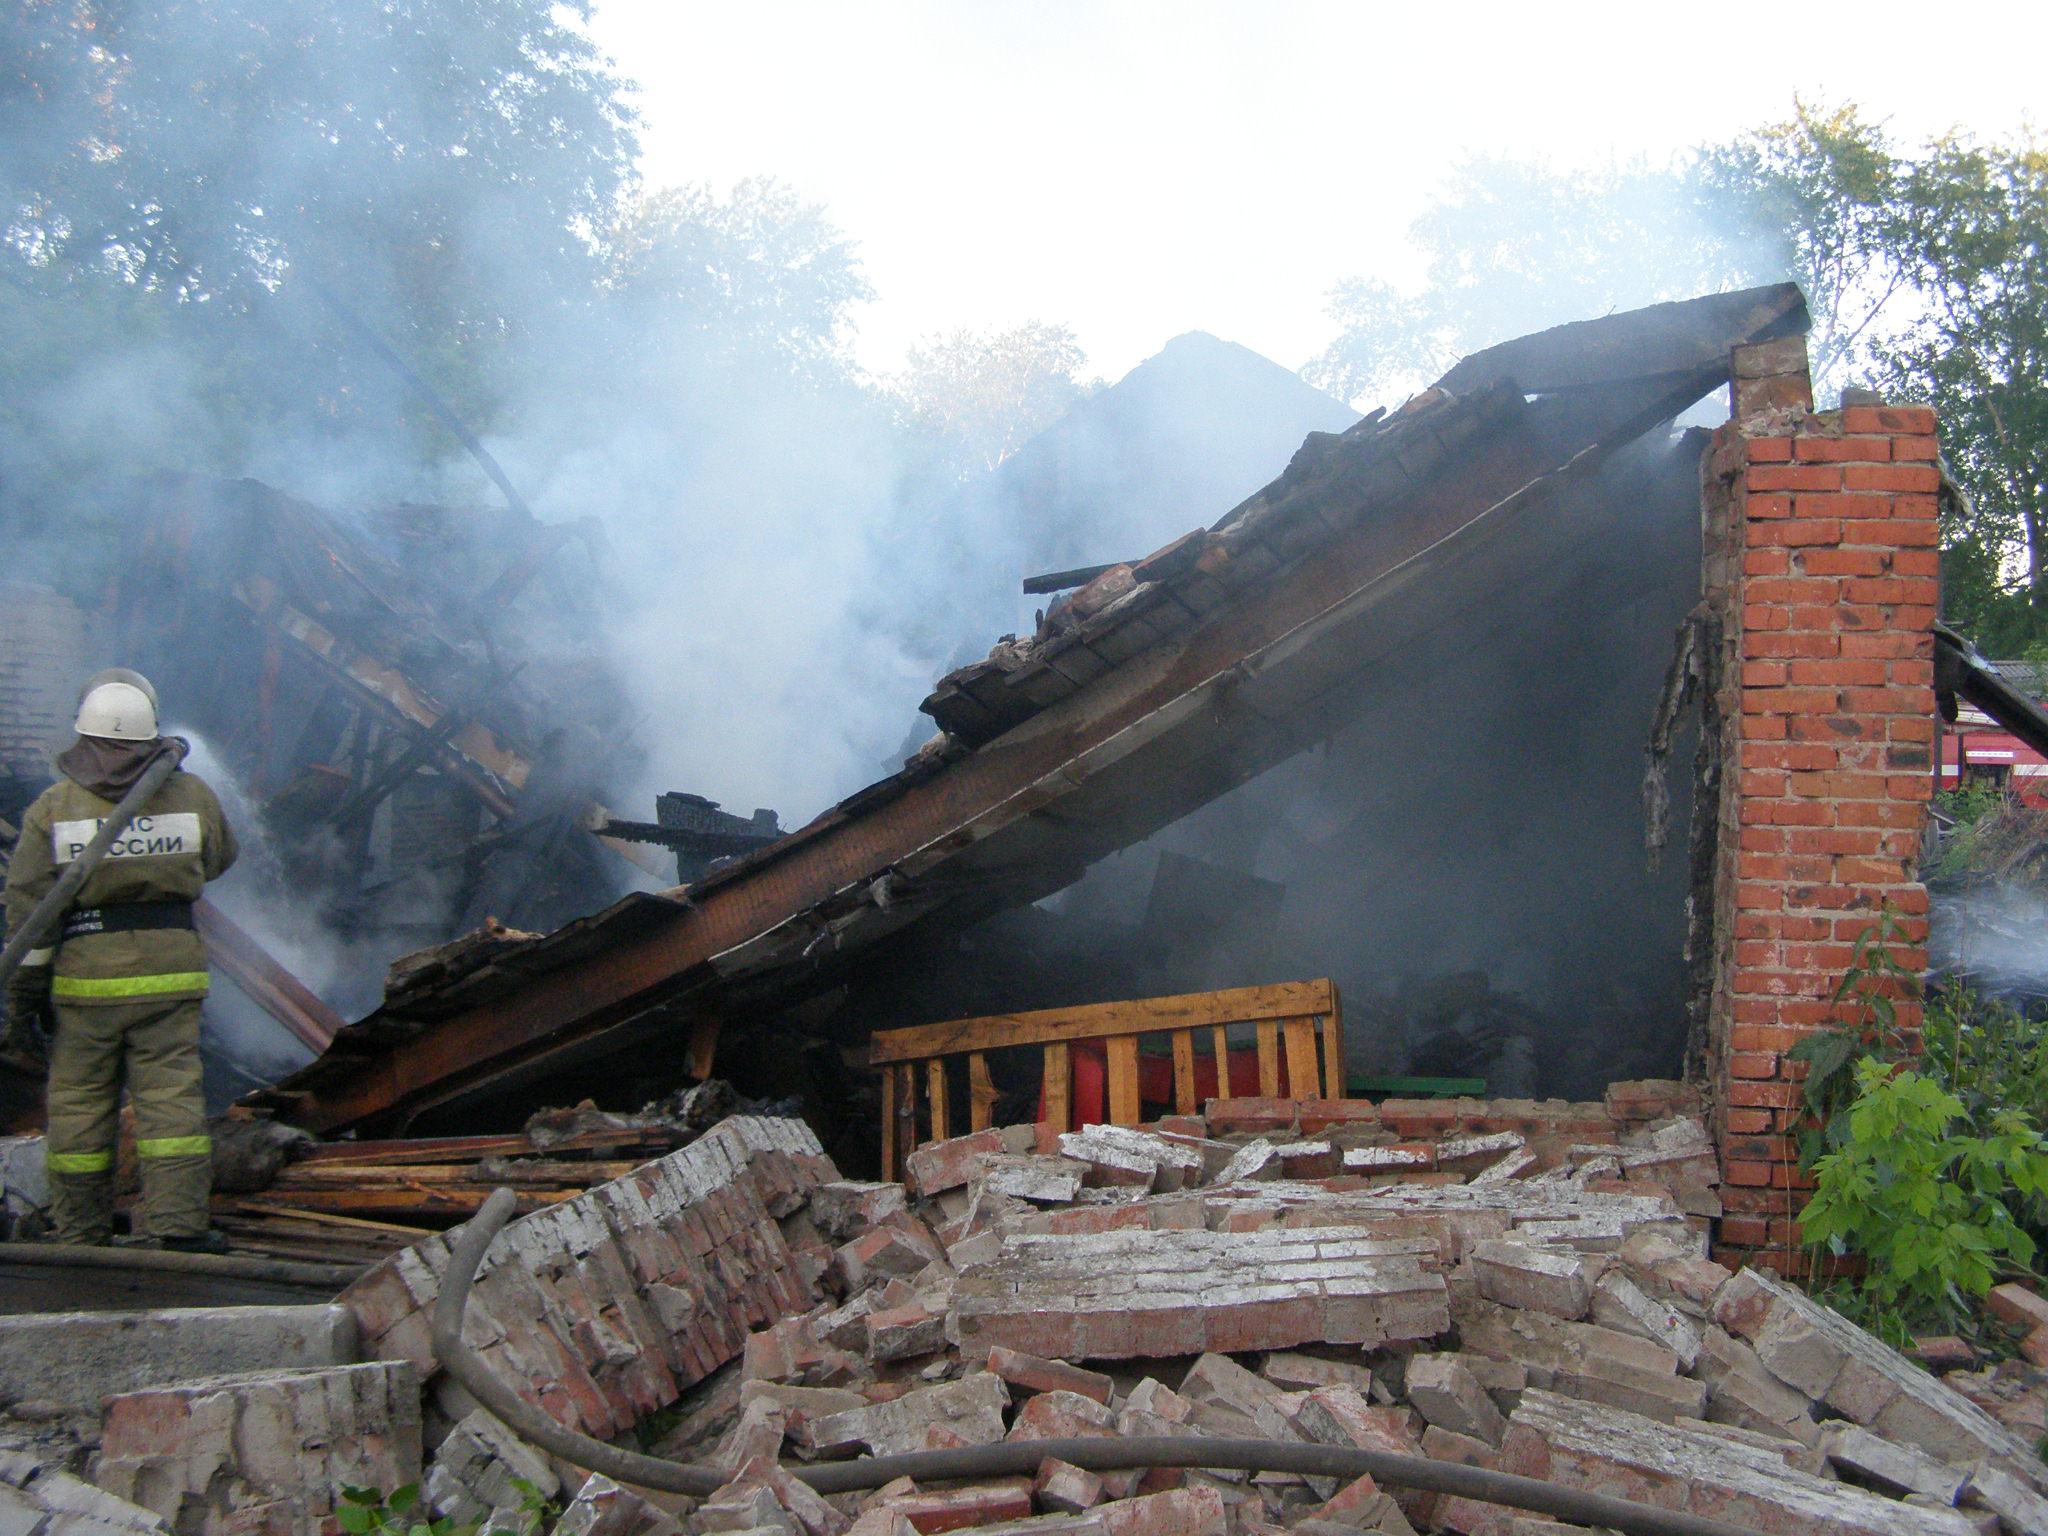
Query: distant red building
x,y
1976,749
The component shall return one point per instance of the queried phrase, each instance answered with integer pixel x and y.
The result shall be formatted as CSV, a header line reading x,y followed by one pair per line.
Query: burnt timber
x,y
1151,691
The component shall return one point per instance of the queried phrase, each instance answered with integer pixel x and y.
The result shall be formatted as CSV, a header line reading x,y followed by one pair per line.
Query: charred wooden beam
x,y
1259,637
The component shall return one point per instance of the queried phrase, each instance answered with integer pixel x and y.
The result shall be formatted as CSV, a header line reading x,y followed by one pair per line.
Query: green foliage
x,y
368,1512
1929,1205
1870,988
1969,804
1930,1165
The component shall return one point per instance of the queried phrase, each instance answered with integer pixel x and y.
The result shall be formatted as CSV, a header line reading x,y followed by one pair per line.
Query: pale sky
x,y
1135,169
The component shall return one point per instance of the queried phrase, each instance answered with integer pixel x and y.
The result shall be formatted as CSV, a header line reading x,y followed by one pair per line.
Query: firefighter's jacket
x,y
176,844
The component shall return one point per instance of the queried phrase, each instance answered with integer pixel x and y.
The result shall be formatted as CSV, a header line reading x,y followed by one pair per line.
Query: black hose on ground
x,y
39,921
1015,1457
231,1266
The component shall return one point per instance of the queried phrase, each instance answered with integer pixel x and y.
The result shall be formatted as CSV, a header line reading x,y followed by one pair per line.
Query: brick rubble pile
x,y
1510,1285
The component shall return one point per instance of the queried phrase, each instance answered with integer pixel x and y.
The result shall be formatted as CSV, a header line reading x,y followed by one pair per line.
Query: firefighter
x,y
124,973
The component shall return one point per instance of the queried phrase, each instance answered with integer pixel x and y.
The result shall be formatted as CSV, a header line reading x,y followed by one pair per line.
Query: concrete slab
x,y
74,1359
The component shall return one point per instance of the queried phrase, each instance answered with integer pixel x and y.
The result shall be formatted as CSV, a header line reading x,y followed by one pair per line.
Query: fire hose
x,y
37,924
469,1371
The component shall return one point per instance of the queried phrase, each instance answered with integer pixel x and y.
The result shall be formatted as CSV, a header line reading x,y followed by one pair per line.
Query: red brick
x,y
1861,450
1740,1120
1176,1512
1839,562
1765,616
1062,1415
1768,644
1315,1116
944,1165
1765,1095
1229,1117
1891,589
1794,589
956,1509
1891,477
1898,531
1744,1231
1898,420
1752,1174
1867,671
1789,701
1794,531
1799,477
1752,1064
1770,450
1038,1375
1767,562
1772,1039
1885,644
1858,504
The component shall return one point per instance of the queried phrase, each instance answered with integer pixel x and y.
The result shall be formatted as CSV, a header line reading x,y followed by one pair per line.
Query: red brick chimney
x,y
1821,555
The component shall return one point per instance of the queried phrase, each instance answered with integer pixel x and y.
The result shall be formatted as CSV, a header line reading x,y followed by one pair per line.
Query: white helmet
x,y
118,704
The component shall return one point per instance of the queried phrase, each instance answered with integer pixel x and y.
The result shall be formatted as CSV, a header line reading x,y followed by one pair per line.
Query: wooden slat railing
x,y
1298,1032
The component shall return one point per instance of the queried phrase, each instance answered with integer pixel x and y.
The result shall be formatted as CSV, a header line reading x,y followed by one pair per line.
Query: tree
x,y
436,164
761,272
982,395
1922,272
1969,229
1514,247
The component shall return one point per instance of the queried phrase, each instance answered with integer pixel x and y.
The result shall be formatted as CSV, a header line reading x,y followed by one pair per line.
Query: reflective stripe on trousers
x,y
79,1162
138,988
174,1146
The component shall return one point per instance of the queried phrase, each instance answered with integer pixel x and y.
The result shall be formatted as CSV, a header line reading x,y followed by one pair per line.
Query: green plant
x,y
369,1512
1925,1203
1968,804
1870,988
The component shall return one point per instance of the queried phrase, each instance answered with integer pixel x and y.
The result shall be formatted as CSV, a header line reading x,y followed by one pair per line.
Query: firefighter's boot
x,y
82,1208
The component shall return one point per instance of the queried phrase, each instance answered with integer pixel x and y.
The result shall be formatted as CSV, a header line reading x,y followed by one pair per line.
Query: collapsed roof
x,y
1153,690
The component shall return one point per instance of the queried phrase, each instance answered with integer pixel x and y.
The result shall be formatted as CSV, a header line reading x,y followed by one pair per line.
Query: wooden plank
x,y
1219,1039
1103,1020
1269,1059
1184,1073
890,1172
532,1171
1124,1105
1056,1093
1303,1081
938,1108
322,1218
981,1094
463,1149
1334,1086
906,1112
461,1201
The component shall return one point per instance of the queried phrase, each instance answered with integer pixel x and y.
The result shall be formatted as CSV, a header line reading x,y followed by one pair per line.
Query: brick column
x,y
1821,565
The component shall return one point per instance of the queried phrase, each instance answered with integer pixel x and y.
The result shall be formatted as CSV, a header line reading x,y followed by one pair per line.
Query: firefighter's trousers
x,y
154,1048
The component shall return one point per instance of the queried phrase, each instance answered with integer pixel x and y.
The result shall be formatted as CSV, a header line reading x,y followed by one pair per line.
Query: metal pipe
x,y
229,1266
51,907
1101,1455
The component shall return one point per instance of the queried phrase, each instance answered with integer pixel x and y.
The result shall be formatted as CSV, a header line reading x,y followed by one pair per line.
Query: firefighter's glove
x,y
30,1020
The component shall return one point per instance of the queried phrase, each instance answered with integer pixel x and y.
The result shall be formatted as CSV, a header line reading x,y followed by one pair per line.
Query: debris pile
x,y
1510,1285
